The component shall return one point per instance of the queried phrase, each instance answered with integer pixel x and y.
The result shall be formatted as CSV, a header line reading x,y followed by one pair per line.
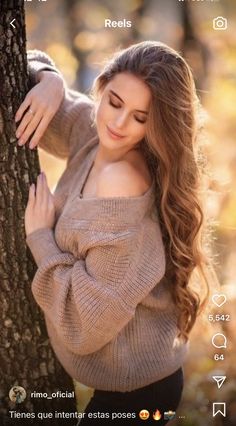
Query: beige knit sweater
x,y
101,279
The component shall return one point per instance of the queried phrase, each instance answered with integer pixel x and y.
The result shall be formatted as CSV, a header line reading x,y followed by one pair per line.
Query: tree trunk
x,y
195,50
26,357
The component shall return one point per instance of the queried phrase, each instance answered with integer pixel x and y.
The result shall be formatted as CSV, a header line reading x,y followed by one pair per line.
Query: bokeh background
x,y
73,34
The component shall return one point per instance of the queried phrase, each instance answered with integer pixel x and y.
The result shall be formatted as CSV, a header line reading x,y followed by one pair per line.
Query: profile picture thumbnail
x,y
17,394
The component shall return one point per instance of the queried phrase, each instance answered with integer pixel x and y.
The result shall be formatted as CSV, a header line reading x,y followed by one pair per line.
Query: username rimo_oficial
x,y
58,394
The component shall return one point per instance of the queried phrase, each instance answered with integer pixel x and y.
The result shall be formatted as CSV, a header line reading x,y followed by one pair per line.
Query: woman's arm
x,y
90,300
56,110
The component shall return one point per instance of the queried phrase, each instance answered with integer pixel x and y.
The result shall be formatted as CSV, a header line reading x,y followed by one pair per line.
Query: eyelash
x,y
118,106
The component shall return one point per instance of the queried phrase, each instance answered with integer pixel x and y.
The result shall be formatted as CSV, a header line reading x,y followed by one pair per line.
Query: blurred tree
x,y
26,357
75,24
195,51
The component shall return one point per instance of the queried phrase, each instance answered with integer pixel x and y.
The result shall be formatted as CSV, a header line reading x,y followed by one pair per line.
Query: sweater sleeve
x,y
71,126
90,300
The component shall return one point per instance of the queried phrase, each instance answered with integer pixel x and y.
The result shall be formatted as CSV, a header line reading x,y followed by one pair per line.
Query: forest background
x,y
73,34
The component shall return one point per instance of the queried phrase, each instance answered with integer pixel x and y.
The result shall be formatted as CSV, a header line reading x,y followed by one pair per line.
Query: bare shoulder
x,y
121,179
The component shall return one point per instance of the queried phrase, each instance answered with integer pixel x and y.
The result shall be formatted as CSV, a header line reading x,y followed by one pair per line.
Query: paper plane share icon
x,y
219,380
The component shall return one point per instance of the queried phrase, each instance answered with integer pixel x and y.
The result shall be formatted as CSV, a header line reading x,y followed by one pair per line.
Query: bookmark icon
x,y
219,408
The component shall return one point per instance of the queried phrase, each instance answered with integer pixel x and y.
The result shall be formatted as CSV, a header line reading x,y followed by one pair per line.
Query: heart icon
x,y
219,299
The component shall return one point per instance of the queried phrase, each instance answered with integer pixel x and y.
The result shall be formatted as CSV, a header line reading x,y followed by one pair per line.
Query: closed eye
x,y
140,121
113,104
117,105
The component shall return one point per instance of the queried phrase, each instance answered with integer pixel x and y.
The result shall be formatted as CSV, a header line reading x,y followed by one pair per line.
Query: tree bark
x,y
26,357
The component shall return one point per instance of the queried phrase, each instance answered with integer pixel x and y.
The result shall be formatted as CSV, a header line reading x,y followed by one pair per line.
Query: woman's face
x,y
122,110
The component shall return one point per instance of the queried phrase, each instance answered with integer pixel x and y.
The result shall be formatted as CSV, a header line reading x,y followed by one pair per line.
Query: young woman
x,y
117,243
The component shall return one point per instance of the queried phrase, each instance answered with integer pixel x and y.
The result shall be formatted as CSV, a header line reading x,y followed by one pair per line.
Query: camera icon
x,y
220,23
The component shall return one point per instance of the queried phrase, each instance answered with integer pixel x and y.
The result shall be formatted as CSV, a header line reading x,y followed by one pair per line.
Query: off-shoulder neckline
x,y
108,200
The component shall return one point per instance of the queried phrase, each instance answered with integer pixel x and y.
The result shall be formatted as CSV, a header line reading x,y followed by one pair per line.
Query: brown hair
x,y
170,147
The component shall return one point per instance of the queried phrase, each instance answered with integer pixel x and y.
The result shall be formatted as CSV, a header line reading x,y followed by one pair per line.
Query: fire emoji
x,y
157,415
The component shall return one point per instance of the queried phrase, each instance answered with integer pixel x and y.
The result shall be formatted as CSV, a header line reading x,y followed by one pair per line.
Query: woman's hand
x,y
42,102
40,210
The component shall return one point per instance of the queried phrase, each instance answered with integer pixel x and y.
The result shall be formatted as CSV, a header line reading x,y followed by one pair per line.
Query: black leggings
x,y
163,395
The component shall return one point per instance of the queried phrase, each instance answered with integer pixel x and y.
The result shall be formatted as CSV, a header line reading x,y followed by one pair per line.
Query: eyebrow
x,y
138,110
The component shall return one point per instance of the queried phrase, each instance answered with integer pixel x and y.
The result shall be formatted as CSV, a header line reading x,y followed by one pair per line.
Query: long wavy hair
x,y
171,149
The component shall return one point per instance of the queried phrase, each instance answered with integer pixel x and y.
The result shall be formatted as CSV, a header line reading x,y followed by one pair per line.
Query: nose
x,y
120,120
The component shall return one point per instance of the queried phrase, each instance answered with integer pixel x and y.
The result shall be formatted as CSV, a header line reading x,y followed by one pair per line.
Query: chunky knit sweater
x,y
101,279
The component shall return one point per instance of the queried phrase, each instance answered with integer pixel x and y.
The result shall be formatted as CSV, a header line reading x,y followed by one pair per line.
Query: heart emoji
x,y
144,414
219,299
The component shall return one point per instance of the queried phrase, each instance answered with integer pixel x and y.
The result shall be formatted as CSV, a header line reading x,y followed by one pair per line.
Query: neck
x,y
105,156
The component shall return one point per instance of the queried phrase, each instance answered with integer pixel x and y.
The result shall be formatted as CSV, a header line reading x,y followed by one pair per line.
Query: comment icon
x,y
219,341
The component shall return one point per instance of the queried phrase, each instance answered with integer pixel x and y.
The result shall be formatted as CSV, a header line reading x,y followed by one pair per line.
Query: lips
x,y
114,134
